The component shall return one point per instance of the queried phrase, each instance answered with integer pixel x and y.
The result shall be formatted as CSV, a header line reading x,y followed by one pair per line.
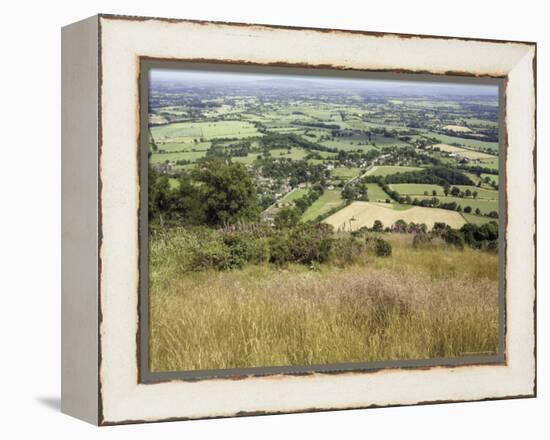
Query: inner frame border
x,y
145,376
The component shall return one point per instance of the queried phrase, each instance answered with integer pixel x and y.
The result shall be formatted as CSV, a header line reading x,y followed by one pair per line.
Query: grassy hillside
x,y
416,304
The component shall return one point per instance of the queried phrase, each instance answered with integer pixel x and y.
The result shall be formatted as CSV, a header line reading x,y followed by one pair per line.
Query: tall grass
x,y
419,303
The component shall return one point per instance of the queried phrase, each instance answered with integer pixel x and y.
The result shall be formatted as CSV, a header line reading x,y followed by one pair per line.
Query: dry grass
x,y
417,304
359,214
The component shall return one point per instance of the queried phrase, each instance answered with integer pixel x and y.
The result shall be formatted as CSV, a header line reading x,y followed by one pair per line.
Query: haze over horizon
x,y
199,78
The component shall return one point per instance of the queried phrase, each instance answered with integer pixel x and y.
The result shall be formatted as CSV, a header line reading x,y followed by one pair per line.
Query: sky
x,y
200,77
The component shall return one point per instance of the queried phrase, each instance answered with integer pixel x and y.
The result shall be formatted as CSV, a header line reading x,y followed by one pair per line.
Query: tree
x,y
474,194
186,204
349,192
227,192
478,211
287,218
434,193
377,226
159,195
446,189
455,191
467,193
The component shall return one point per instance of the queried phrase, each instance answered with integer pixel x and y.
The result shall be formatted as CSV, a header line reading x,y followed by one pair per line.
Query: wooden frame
x,y
101,198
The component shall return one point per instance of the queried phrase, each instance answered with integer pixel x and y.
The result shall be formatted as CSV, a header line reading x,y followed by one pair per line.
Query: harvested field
x,y
360,214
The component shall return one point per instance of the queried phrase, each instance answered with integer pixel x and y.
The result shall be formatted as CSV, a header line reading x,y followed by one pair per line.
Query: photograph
x,y
311,219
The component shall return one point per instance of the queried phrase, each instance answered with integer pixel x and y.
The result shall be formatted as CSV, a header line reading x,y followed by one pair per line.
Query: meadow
x,y
417,304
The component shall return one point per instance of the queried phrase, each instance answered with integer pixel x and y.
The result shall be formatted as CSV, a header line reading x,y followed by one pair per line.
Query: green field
x,y
248,159
349,144
485,206
295,153
375,193
474,143
329,200
293,195
204,130
172,157
490,163
345,173
465,152
385,170
481,192
477,219
416,188
190,145
493,177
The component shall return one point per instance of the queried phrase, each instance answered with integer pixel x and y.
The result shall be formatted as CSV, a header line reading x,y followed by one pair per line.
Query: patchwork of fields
x,y
349,139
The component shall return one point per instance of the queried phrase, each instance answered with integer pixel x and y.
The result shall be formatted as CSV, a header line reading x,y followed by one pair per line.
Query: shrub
x,y
377,226
259,251
310,243
347,250
280,252
421,239
209,253
383,248
454,237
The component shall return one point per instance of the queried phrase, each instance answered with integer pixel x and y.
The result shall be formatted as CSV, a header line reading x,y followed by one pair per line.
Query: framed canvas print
x,y
263,220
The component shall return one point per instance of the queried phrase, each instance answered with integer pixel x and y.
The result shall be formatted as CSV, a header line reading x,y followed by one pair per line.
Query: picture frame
x,y
105,379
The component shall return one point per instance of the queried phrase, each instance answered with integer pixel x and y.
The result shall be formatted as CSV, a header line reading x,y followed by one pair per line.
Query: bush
x,y
210,253
310,243
347,250
383,248
377,226
259,251
280,252
454,237
421,240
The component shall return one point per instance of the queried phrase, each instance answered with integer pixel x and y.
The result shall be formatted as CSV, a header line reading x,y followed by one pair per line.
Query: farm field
x,y
376,193
457,128
484,205
329,200
170,146
182,155
359,214
477,219
204,130
293,195
473,143
416,189
482,193
490,163
385,170
295,153
470,154
345,173
492,177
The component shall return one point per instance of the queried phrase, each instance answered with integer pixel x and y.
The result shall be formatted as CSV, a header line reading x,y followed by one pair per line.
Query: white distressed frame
x,y
122,42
